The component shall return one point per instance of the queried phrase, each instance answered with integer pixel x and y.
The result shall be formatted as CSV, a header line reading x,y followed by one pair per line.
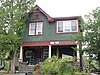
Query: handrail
x,y
84,66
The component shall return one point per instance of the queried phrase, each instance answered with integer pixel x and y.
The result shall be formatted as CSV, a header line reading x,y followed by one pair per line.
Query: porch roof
x,y
46,43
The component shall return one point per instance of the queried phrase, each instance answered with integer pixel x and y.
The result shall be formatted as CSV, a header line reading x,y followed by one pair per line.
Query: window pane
x,y
60,26
32,25
73,25
32,29
66,26
32,32
39,28
73,28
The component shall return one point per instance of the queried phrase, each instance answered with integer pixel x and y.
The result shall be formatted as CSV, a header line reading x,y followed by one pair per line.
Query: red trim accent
x,y
56,27
46,43
43,28
36,15
66,18
35,27
79,29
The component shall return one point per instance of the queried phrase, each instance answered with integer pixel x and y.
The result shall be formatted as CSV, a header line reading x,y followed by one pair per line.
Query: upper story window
x,y
36,28
67,26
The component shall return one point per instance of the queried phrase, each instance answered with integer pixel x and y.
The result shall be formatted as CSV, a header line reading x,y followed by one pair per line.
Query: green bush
x,y
57,66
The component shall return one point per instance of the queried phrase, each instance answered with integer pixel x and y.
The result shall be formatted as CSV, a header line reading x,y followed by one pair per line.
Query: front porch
x,y
35,54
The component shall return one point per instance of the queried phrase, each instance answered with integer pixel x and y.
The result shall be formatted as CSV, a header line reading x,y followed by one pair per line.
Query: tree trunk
x,y
99,59
9,65
81,60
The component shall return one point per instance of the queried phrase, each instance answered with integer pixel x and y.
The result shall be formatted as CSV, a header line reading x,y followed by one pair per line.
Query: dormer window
x,y
67,26
36,28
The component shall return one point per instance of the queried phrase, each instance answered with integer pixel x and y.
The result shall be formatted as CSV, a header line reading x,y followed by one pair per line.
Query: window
x,y
46,53
36,28
60,26
67,26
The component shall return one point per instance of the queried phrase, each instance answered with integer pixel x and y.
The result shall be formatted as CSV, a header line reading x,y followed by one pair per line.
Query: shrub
x,y
57,66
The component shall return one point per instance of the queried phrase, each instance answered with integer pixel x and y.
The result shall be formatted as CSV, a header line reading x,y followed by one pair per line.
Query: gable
x,y
38,12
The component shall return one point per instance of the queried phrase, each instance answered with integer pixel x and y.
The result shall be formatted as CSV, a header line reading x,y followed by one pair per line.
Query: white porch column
x,y
21,54
78,54
49,51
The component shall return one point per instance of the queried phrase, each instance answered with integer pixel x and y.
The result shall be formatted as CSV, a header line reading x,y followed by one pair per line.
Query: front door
x,y
33,56
29,57
38,56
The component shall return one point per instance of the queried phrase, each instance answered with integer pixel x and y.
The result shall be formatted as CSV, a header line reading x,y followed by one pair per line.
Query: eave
x,y
66,18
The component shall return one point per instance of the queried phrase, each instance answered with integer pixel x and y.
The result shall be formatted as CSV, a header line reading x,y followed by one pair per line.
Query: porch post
x,y
78,54
57,52
49,51
21,54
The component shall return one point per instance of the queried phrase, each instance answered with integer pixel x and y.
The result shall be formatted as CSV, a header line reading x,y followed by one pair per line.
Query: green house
x,y
45,36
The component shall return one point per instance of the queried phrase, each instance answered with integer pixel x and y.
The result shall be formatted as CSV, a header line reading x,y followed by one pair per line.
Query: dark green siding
x,y
49,31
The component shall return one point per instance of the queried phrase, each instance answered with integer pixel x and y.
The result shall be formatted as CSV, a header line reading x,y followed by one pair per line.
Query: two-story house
x,y
45,36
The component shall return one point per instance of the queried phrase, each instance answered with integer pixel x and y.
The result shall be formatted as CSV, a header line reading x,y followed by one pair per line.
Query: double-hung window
x,y
36,28
67,26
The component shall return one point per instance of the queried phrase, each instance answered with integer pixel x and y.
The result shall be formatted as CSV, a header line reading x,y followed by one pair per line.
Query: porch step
x,y
23,68
78,64
20,74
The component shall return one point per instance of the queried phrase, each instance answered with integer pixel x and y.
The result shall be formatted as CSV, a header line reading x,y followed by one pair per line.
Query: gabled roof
x,y
51,19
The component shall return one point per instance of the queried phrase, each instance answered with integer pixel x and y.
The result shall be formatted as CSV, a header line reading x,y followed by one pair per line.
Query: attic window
x,y
36,15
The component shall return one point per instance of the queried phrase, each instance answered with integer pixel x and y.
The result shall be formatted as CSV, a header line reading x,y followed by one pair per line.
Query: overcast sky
x,y
64,8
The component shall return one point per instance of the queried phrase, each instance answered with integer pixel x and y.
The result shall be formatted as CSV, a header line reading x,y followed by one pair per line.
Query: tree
x,y
92,33
13,18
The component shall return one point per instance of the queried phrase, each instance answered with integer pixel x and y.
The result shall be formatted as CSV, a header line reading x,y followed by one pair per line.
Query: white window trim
x,y
70,26
35,33
30,29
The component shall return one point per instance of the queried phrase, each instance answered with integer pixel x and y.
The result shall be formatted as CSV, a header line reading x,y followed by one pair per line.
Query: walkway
x,y
15,74
93,74
24,74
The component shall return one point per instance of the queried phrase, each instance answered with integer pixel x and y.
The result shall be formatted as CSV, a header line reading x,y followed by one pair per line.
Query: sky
x,y
65,8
